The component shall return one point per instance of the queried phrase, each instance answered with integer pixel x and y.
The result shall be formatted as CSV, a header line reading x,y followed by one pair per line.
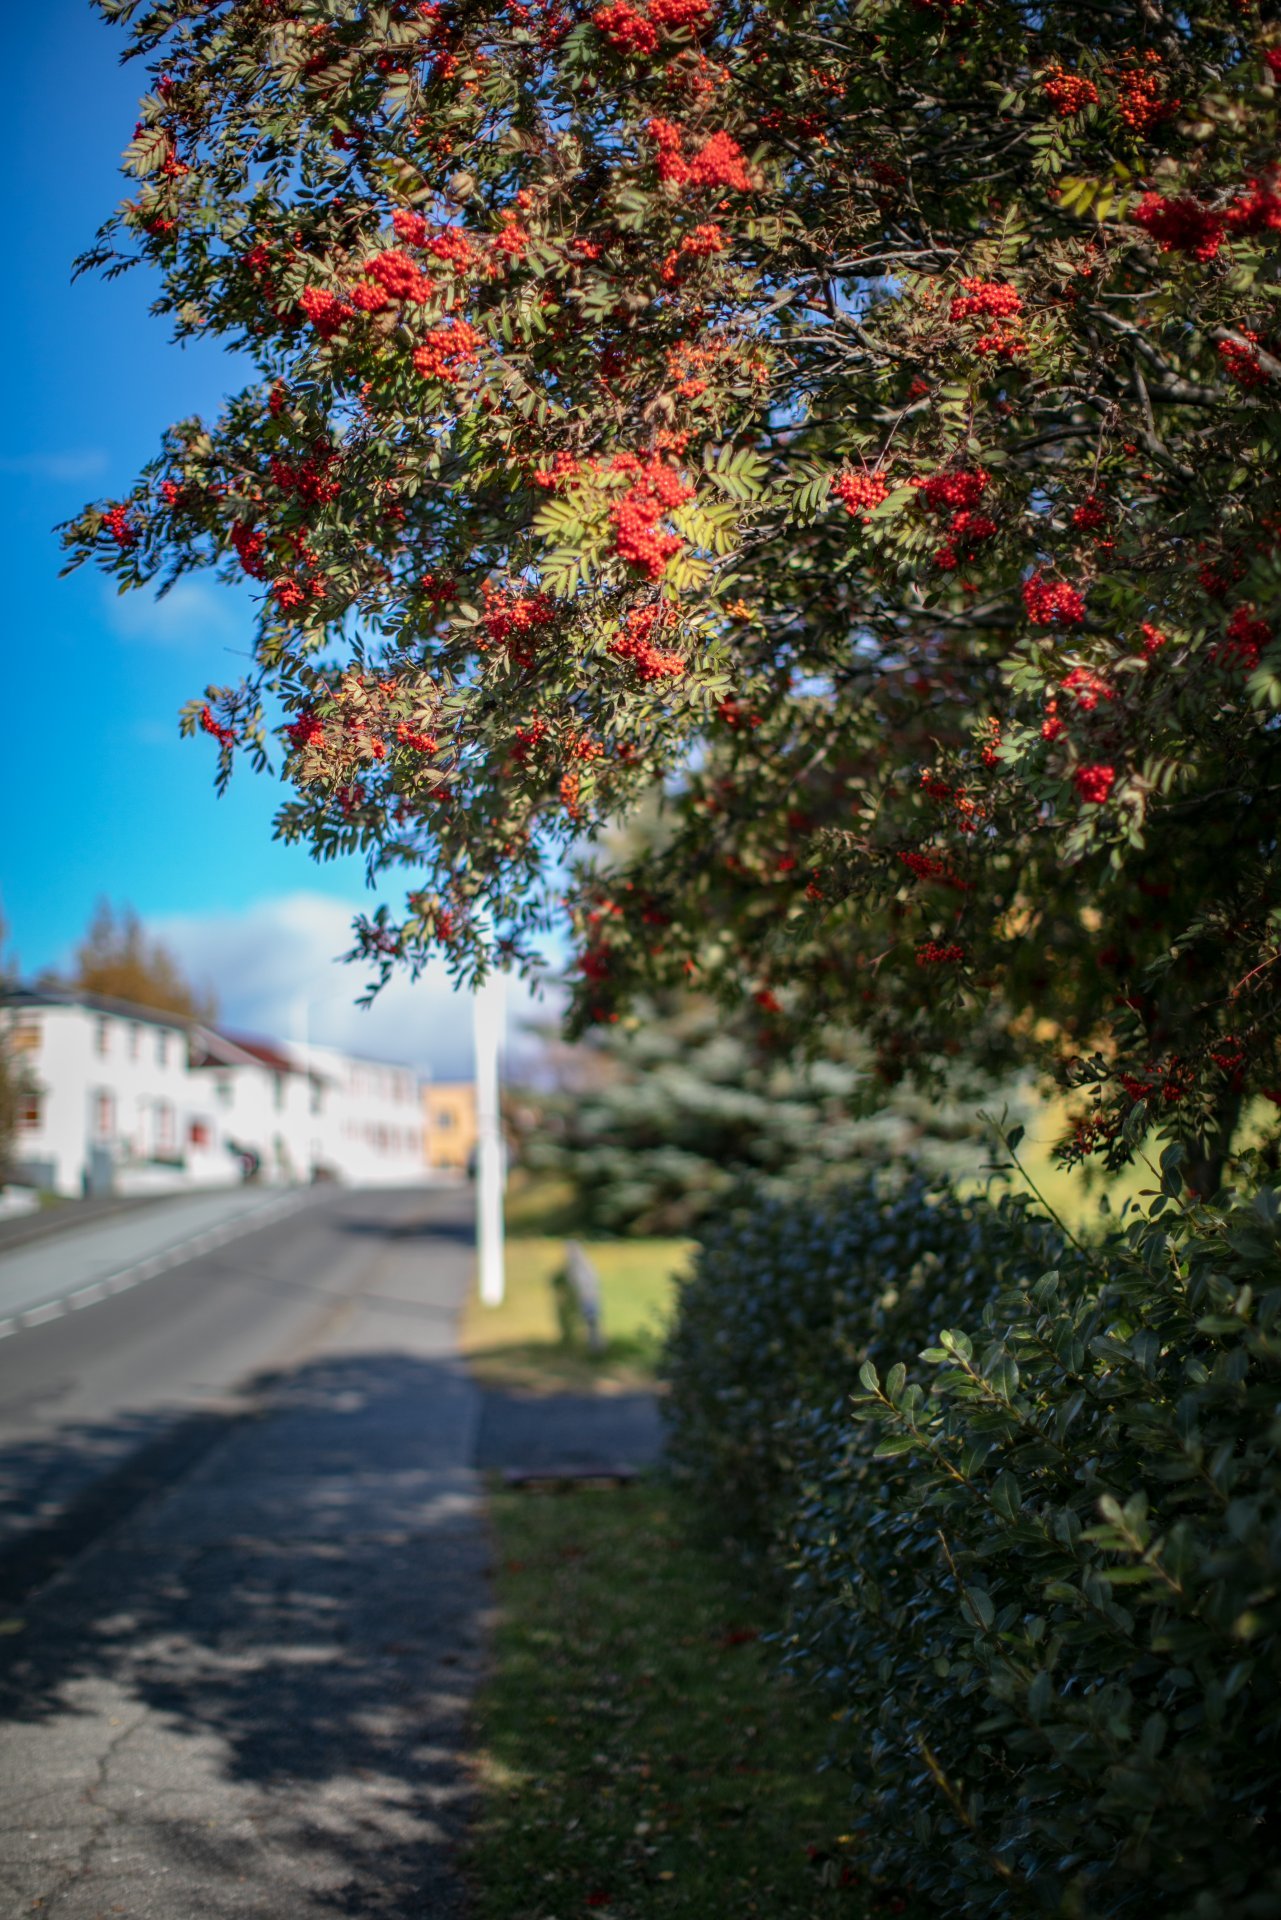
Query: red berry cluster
x,y
954,491
967,531
637,646
559,473
957,492
1248,635
1184,225
986,299
310,479
931,954
1068,93
398,277
450,245
1241,363
925,866
629,31
656,489
1090,515
1095,783
1088,688
1052,603
528,739
326,312
719,162
123,532
513,619
1141,99
439,588
1257,210
414,737
225,736
448,350
249,543
306,731
859,492
704,241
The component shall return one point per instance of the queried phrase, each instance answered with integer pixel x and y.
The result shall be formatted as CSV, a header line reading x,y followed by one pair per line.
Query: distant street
x,y
241,1570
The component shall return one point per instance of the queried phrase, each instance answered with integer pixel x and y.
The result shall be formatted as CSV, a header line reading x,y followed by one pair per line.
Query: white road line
x,y
156,1264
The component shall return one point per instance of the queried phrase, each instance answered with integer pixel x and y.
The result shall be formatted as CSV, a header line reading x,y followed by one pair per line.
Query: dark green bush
x,y
786,1301
1038,1566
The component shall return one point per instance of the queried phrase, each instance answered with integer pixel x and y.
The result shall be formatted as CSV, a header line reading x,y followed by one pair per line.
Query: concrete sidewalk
x,y
248,1700
74,1268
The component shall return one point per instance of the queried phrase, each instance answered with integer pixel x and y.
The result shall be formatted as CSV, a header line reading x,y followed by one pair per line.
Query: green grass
x,y
519,1344
638,1755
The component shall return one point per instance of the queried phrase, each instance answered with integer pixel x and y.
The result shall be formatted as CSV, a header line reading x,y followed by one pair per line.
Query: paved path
x,y
75,1269
244,1695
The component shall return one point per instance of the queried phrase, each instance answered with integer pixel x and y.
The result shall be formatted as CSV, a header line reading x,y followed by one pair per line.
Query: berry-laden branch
x,y
854,425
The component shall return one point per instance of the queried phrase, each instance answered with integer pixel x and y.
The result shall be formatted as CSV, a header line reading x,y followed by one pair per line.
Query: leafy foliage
x,y
788,1299
1037,1567
855,420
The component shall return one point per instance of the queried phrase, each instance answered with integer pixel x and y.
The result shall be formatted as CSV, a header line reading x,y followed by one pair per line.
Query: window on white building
x,y
162,1047
102,1038
223,1089
104,1114
135,1040
29,1112
278,1090
199,1133
164,1126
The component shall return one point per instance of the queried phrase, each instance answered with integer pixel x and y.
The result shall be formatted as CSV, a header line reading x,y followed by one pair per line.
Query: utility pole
x,y
488,1003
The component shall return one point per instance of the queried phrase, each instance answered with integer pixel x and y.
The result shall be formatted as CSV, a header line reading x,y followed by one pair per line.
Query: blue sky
x,y
100,795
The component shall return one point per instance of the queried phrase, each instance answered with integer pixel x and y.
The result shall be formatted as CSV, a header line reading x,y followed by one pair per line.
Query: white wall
x,y
122,1087
270,1113
372,1120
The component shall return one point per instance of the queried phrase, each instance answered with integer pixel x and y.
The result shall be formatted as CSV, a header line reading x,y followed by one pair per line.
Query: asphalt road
x,y
242,1578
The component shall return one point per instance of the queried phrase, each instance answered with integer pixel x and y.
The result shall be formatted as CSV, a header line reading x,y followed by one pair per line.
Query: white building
x,y
112,1103
270,1111
373,1131
126,1099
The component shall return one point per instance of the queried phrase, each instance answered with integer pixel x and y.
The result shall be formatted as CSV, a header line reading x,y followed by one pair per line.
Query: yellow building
x,y
449,1123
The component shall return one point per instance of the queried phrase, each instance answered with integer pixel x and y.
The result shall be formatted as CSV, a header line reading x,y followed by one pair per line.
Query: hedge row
x,y
1028,1500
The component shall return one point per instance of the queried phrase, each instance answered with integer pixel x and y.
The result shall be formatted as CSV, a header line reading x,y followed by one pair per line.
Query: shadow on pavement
x,y
461,1231
542,1430
262,1671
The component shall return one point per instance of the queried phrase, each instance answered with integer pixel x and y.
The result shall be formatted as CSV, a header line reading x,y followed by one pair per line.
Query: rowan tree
x,y
855,419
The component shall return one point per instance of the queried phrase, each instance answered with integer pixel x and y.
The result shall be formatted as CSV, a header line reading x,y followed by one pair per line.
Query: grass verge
x,y
519,1344
638,1757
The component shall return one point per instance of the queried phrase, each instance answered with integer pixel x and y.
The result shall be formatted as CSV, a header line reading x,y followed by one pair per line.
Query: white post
x,y
488,1006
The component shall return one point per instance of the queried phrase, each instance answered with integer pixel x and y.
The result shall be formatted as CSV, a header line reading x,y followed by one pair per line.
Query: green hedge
x,y
1036,1565
788,1299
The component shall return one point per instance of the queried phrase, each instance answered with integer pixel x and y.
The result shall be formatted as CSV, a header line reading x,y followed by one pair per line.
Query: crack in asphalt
x,y
73,1871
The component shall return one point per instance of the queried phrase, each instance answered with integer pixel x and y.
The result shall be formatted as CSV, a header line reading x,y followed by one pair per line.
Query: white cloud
x,y
80,464
192,614
277,972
